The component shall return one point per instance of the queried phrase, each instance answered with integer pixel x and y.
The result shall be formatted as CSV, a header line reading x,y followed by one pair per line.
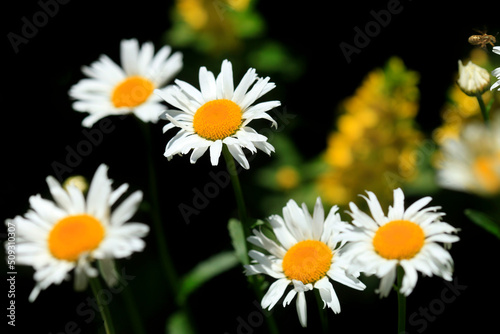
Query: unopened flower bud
x,y
472,79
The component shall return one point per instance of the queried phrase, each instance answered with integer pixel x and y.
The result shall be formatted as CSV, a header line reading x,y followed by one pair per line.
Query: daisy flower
x,y
471,163
304,257
114,90
55,237
496,71
217,114
408,238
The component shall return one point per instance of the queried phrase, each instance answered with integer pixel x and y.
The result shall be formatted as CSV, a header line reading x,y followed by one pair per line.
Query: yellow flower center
x,y
307,261
487,171
217,119
74,235
132,92
399,239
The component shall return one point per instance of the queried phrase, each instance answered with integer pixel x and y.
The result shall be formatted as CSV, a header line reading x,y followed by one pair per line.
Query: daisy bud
x,y
78,181
472,79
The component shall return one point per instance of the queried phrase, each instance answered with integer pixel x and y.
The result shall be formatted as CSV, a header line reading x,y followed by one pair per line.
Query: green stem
x,y
135,318
95,284
322,314
169,270
484,110
165,258
401,301
242,211
235,181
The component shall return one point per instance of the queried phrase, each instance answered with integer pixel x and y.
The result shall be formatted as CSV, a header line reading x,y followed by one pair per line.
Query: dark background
x,y
39,124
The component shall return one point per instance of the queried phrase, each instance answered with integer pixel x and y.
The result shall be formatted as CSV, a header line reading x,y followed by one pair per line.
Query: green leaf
x,y
178,323
238,240
484,221
204,271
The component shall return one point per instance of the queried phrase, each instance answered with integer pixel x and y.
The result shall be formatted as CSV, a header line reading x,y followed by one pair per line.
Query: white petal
x,y
245,83
59,194
289,297
197,153
328,294
207,84
339,275
99,192
302,308
375,208
318,220
126,209
215,151
415,207
129,50
144,58
281,231
238,154
274,294
387,282
409,279
398,209
117,193
227,80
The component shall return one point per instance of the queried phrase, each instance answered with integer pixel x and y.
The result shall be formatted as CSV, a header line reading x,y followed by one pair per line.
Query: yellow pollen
x,y
307,261
399,239
132,92
217,119
74,235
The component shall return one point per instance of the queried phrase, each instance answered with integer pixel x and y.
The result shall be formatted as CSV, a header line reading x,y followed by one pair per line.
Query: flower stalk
x,y
484,111
164,254
401,301
96,286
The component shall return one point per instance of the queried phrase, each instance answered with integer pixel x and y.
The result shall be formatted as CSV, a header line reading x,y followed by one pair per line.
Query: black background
x,y
39,123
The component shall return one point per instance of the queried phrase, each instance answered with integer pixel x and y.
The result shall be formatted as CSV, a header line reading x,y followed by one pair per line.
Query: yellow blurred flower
x,y
375,138
287,177
213,25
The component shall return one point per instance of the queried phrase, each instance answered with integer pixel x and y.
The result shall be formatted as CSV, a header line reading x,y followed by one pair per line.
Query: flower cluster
x,y
85,229
375,136
306,252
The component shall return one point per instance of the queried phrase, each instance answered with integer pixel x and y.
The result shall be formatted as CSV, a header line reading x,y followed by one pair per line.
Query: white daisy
x,y
408,238
305,257
218,114
471,163
115,90
496,71
71,232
